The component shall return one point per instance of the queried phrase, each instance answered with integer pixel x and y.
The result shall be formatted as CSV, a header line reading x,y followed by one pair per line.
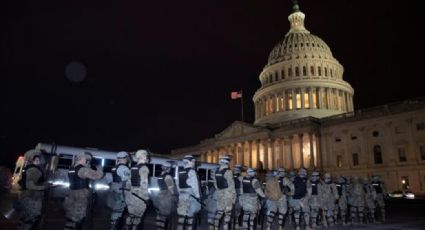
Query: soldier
x,y
300,199
370,196
379,187
287,188
226,194
120,176
314,188
357,200
329,198
76,202
273,194
291,177
137,196
165,202
189,203
251,188
237,177
33,184
341,208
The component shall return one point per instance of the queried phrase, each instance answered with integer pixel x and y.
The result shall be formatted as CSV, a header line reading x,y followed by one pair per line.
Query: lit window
x,y
314,95
306,100
290,105
298,97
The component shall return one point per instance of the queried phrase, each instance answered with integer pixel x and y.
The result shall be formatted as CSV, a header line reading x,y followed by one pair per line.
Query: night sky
x,y
159,73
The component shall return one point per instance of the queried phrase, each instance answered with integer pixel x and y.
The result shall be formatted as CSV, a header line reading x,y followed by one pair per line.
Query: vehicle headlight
x,y
101,187
410,195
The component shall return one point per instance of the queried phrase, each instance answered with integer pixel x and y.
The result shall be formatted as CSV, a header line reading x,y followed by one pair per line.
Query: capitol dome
x,y
301,79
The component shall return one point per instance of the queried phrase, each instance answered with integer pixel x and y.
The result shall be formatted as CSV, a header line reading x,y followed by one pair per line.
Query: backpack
x,y
273,191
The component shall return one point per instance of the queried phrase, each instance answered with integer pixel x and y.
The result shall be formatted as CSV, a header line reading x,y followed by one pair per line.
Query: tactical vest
x,y
219,178
183,175
115,177
339,189
23,181
161,182
135,175
314,188
237,181
300,185
377,187
76,182
247,186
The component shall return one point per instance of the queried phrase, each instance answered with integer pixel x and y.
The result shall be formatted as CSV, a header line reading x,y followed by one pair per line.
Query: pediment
x,y
237,129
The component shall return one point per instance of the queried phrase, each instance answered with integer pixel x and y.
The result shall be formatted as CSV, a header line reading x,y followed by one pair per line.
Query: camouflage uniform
x,y
329,197
76,202
380,190
251,188
165,202
357,200
370,196
273,195
237,178
315,190
226,195
341,206
189,203
31,200
291,177
211,206
116,199
137,196
300,199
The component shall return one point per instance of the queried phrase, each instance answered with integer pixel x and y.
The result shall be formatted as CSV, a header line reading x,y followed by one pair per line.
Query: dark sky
x,y
159,74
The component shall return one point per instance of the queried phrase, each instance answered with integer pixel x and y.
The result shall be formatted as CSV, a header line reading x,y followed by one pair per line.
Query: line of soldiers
x,y
233,198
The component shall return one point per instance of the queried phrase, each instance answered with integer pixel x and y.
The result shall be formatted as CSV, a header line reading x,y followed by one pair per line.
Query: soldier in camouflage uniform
x,y
33,184
273,194
137,196
357,200
116,199
291,176
237,177
76,202
341,206
189,203
370,196
165,202
226,194
314,188
287,189
300,199
379,187
329,197
251,189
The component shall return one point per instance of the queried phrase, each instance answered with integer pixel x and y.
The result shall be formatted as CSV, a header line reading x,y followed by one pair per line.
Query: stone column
x,y
302,92
319,99
291,152
272,145
312,165
258,152
266,154
250,153
282,152
319,154
300,137
286,101
310,98
329,98
241,155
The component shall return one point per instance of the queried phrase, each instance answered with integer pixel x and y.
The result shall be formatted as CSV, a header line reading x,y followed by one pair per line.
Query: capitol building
x,y
304,117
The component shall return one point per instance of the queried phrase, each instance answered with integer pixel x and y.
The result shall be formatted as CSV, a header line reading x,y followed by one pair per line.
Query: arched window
x,y
283,74
304,71
326,72
377,154
312,70
270,78
289,72
297,71
319,71
331,73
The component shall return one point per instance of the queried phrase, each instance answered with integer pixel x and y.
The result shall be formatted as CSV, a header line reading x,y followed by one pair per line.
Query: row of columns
x,y
314,97
288,152
303,71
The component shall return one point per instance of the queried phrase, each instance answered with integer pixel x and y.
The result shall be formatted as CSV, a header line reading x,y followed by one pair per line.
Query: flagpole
x,y
242,106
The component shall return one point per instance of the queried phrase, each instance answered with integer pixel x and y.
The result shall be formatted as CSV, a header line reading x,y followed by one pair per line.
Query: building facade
x,y
304,117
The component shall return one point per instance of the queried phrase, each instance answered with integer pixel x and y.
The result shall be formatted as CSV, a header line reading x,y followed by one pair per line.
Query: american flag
x,y
236,94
